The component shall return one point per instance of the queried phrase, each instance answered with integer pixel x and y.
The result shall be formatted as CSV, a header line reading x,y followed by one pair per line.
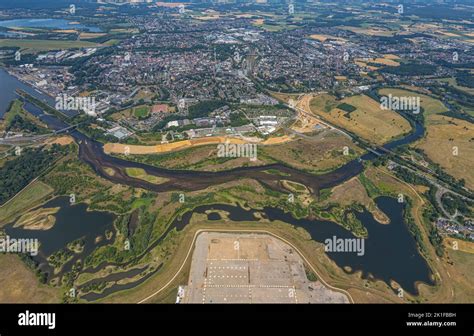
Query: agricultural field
x,y
429,104
21,285
377,63
368,120
449,142
323,37
323,153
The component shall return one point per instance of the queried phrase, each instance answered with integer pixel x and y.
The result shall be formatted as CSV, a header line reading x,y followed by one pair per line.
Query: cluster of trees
x,y
202,109
33,265
430,215
20,124
139,238
410,69
412,227
59,258
465,78
238,119
17,173
452,203
346,107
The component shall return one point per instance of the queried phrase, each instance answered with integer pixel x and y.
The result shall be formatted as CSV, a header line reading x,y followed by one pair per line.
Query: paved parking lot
x,y
250,268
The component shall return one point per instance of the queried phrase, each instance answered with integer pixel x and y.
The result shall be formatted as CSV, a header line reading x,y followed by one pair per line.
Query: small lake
x,y
47,23
72,222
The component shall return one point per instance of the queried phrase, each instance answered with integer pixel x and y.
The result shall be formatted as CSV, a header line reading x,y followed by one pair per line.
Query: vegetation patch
x,y
27,198
141,174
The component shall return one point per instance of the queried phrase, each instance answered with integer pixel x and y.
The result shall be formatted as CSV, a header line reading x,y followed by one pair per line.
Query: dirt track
x,y
184,144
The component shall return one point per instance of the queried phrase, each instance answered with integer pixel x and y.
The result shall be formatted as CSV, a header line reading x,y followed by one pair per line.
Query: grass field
x,y
141,174
20,284
280,26
462,245
462,273
324,153
138,112
368,121
141,112
442,136
285,97
430,105
26,199
16,109
31,46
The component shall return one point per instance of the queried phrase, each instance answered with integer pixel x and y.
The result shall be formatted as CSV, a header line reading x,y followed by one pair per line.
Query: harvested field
x,y
461,245
20,284
323,152
430,105
323,38
368,121
444,135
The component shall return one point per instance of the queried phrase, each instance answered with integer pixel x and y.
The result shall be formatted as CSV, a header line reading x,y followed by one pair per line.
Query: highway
x,y
16,141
